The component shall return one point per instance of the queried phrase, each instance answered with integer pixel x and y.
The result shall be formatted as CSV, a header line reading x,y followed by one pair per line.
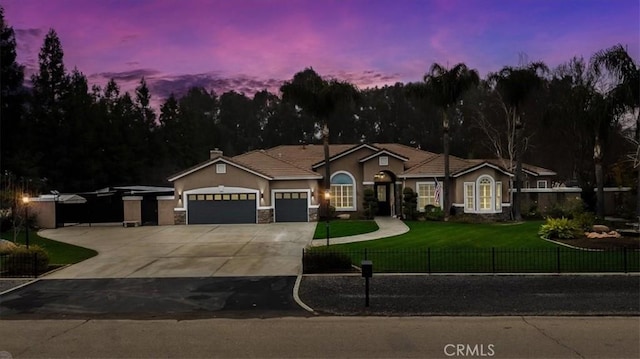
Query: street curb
x,y
296,297
20,286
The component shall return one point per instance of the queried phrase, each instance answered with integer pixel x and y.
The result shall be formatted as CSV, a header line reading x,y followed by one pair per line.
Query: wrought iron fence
x,y
21,265
473,260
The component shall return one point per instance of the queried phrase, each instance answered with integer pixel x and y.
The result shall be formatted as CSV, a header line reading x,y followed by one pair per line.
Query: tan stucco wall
x,y
165,211
132,209
372,167
45,213
235,177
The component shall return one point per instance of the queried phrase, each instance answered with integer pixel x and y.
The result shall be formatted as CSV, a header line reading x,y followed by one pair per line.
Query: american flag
x,y
438,191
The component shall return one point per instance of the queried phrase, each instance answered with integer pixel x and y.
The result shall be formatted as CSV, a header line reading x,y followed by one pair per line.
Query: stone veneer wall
x,y
313,214
265,215
179,217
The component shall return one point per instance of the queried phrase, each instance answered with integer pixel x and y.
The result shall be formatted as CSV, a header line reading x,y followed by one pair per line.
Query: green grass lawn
x,y
449,247
59,253
343,228
459,235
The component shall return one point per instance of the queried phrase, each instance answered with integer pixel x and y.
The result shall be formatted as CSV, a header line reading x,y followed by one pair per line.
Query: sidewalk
x,y
388,227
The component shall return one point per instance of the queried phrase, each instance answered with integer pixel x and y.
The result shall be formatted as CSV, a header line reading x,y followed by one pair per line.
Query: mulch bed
x,y
603,243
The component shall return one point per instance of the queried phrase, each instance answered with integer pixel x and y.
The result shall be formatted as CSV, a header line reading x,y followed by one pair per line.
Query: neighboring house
x,y
285,183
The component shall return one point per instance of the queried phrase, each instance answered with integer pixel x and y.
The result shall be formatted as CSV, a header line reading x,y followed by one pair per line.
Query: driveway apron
x,y
186,251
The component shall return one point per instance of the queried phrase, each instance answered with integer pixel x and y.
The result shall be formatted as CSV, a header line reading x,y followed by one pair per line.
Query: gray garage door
x,y
222,208
291,207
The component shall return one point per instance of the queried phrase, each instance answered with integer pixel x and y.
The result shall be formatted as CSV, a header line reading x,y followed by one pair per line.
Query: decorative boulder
x,y
599,228
344,216
7,246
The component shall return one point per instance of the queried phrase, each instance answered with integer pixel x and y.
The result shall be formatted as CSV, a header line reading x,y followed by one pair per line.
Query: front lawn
x,y
450,247
459,235
344,228
59,253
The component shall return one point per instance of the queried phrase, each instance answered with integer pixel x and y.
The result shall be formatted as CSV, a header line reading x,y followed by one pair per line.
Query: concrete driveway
x,y
186,251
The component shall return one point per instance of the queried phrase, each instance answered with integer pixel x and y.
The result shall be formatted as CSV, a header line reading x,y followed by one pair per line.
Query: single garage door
x,y
222,208
291,207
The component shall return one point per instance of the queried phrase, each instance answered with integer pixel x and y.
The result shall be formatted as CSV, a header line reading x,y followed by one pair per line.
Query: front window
x,y
427,195
342,192
484,194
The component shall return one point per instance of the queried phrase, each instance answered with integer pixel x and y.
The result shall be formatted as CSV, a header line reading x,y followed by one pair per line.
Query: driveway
x,y
273,249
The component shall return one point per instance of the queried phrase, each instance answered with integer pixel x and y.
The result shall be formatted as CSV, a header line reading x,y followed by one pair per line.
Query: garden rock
x,y
7,246
599,228
344,216
610,234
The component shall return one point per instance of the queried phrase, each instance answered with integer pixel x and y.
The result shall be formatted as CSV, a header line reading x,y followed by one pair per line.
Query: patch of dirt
x,y
603,243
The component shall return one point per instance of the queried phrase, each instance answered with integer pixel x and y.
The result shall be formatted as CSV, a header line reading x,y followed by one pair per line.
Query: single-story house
x,y
285,183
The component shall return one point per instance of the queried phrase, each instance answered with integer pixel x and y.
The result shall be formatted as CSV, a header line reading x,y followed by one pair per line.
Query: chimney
x,y
215,153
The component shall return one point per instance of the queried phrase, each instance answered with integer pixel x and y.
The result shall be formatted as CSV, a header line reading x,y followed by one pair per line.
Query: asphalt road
x,y
325,337
268,297
475,295
153,298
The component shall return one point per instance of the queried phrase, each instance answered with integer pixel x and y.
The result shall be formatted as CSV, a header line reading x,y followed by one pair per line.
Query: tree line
x,y
579,119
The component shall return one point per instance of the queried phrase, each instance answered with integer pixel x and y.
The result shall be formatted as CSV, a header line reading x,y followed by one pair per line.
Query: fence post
x,y
624,253
493,259
558,259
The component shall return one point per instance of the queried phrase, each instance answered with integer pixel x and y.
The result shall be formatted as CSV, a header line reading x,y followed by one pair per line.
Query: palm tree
x,y
445,88
319,98
515,86
622,96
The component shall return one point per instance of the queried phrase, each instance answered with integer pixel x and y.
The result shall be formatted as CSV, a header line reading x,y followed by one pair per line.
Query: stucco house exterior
x,y
285,183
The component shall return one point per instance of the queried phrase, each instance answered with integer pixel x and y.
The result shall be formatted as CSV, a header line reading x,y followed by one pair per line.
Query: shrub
x,y
584,221
433,213
20,261
370,203
326,262
570,208
560,228
409,203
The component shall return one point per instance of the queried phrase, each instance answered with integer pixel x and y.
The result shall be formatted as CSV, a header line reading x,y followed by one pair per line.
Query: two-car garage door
x,y
222,208
218,208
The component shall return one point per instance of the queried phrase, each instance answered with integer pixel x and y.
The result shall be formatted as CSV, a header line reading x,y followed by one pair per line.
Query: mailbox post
x,y
367,273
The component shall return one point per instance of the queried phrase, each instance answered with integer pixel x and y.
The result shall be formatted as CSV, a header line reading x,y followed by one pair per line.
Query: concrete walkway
x,y
388,227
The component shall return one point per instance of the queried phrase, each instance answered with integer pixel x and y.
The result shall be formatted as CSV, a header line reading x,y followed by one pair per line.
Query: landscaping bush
x,y
559,228
409,204
20,261
326,262
584,221
370,203
433,213
569,208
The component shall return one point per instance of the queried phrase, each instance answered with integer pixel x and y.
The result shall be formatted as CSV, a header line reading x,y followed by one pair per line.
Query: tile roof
x,y
266,163
434,166
540,171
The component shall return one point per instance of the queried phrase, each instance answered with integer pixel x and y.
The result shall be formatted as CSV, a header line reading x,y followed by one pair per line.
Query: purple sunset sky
x,y
248,45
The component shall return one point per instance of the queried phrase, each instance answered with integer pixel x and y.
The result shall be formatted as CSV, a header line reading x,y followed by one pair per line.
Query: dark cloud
x,y
126,75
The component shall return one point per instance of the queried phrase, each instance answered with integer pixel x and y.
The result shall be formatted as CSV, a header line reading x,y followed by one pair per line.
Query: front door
x,y
382,195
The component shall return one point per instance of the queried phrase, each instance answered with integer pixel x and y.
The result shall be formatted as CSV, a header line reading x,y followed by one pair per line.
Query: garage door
x,y
291,207
222,208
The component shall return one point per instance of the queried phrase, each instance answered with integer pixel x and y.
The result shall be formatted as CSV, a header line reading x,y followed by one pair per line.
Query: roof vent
x,y
215,153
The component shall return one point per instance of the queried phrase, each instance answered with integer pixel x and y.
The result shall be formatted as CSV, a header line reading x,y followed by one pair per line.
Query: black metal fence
x,y
474,260
22,265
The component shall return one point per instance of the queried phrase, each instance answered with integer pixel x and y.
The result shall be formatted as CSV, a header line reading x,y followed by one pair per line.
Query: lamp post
x,y
25,201
327,196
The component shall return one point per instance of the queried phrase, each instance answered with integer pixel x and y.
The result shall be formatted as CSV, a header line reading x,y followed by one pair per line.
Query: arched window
x,y
343,192
483,196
